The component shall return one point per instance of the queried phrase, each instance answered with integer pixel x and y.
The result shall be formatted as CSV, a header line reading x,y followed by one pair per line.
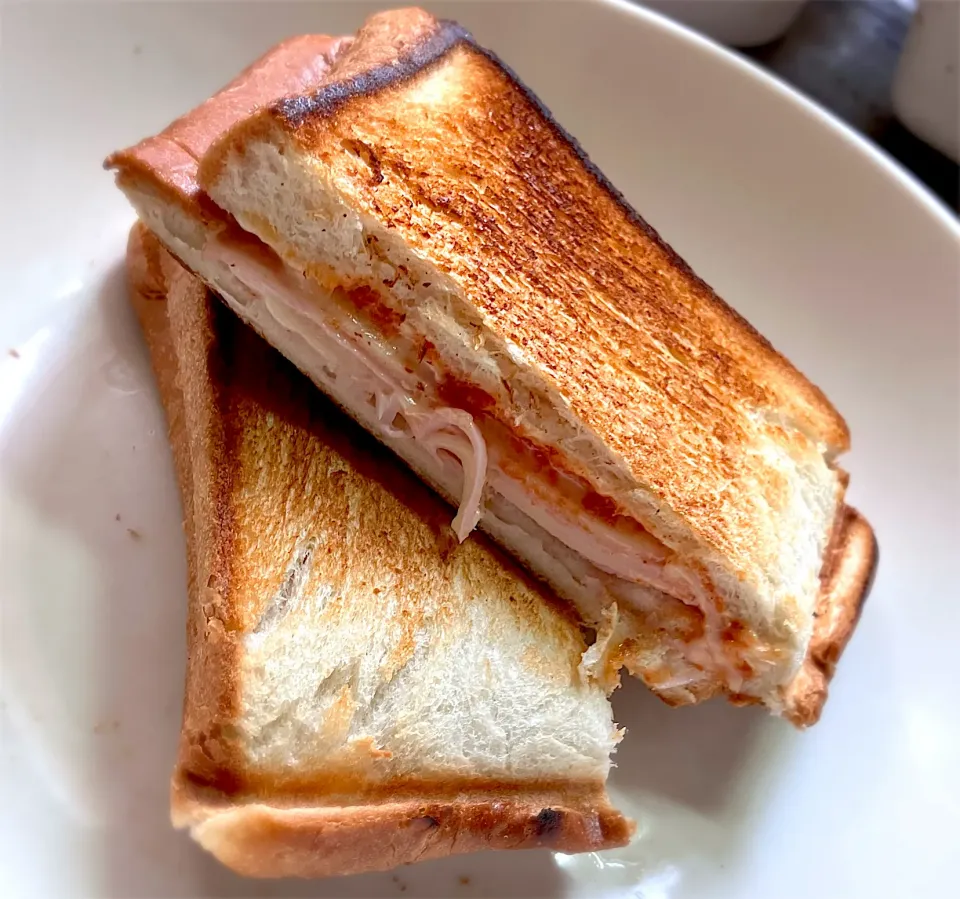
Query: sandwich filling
x,y
397,388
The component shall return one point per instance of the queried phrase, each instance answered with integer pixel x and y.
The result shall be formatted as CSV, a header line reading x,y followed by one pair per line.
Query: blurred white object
x,y
736,23
926,91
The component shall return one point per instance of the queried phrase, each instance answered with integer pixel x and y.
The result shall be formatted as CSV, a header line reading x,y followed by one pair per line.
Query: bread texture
x,y
402,169
362,691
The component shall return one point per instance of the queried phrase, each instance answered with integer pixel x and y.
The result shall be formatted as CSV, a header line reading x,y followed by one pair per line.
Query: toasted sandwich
x,y
362,690
405,222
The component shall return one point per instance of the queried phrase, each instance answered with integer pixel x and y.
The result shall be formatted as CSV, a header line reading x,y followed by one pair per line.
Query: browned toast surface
x,y
459,160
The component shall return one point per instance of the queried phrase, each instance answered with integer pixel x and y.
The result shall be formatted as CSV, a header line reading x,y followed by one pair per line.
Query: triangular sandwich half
x,y
362,690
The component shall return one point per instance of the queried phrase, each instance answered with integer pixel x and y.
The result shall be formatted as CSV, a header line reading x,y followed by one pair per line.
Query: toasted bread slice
x,y
393,217
362,691
159,177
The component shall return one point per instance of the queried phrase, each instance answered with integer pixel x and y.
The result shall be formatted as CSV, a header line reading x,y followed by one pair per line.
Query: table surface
x,y
844,54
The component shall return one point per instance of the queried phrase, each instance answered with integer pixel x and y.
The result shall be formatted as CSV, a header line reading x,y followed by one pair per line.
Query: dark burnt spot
x,y
424,50
549,822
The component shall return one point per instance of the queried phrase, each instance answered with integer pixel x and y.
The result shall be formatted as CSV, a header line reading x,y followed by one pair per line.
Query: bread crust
x,y
195,435
147,281
260,840
848,572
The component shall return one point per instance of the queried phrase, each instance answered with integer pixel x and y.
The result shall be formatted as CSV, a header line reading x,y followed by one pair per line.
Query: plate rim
x,y
870,152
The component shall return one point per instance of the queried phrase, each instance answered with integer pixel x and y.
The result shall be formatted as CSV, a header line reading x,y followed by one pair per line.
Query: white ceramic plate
x,y
835,254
